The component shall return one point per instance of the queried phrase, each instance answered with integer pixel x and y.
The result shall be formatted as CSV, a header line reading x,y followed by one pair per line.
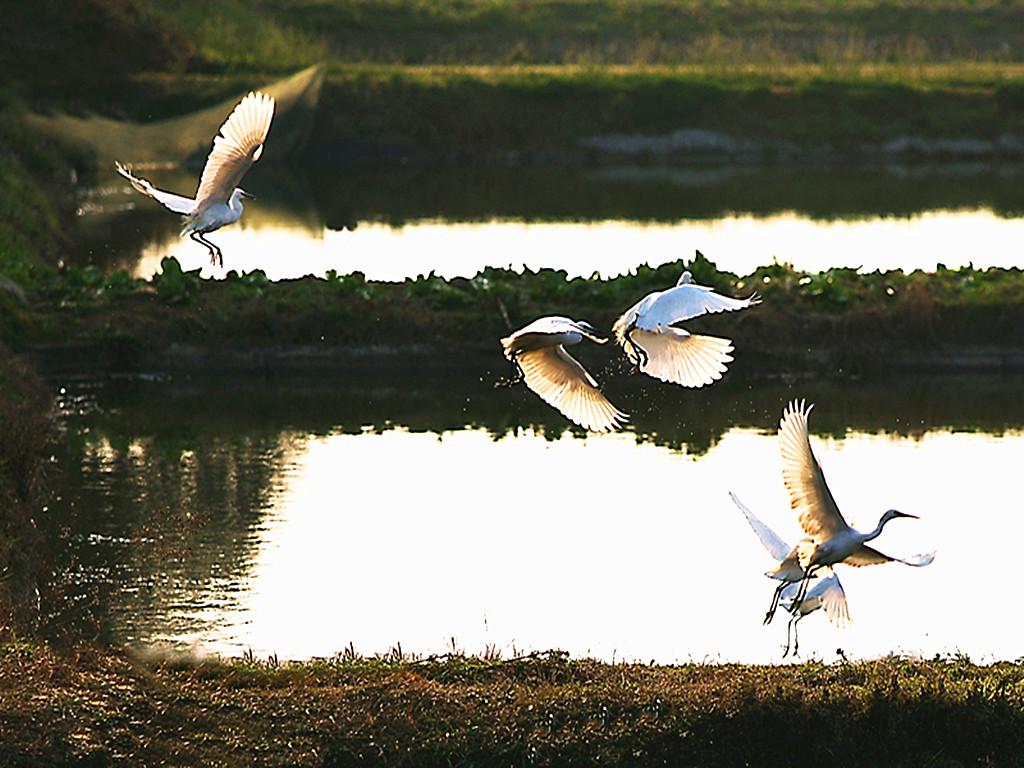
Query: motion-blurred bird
x,y
654,343
538,352
218,200
826,593
831,540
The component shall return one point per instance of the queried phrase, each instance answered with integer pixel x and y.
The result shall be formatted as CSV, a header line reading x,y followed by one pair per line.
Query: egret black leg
x,y
637,350
775,602
792,630
801,593
216,257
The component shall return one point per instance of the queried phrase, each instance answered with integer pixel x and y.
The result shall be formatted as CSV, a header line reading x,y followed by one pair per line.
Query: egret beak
x,y
897,513
243,193
595,334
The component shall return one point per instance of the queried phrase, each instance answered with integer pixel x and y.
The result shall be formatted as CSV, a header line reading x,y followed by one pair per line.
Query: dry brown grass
x,y
95,707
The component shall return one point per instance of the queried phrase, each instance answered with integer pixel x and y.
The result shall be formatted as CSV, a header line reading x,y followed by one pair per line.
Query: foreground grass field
x,y
97,708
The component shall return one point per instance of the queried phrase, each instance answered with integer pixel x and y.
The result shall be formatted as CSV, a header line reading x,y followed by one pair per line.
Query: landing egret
x,y
218,200
826,593
656,346
832,540
538,352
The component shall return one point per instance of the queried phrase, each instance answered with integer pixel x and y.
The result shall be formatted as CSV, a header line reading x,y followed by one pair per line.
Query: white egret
x,y
827,592
832,540
649,333
218,200
538,352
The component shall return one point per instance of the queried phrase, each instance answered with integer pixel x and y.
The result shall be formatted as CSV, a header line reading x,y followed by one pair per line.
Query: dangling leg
x,y
637,352
775,601
791,628
801,593
216,257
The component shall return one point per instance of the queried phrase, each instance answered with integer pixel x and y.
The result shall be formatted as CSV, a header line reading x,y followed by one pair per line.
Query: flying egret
x,y
538,352
219,198
649,333
832,540
826,593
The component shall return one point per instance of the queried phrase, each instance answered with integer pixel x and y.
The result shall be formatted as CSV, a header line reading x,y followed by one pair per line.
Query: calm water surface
x,y
302,517
456,221
406,507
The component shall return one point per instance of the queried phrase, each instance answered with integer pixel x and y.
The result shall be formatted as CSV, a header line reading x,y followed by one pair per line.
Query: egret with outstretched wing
x,y
649,333
218,200
833,541
538,352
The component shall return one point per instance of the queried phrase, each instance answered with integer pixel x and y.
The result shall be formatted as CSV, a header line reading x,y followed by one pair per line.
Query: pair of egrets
x,y
828,539
651,337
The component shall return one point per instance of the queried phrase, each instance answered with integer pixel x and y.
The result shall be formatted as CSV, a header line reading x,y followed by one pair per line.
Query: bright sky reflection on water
x,y
608,548
738,243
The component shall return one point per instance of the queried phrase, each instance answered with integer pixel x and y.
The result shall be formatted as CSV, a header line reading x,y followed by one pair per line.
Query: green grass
x,y
603,32
486,77
540,108
857,321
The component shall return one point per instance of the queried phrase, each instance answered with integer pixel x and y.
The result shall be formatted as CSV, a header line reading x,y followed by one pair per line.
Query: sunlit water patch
x,y
456,222
738,244
601,547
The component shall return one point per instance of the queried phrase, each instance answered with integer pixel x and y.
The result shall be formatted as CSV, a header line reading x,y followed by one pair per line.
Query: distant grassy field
x,y
513,75
755,33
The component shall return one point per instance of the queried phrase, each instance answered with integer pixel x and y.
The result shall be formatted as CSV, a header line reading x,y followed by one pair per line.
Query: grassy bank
x,y
97,708
834,321
546,111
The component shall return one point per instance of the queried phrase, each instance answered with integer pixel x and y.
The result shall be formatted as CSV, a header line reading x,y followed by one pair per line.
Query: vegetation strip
x,y
839,320
84,706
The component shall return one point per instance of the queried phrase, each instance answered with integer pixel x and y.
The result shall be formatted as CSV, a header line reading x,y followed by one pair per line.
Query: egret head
x,y
242,193
892,514
685,278
594,334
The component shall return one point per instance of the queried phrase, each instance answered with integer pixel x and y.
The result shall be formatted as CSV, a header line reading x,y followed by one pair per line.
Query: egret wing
x,y
809,495
680,357
685,302
790,568
172,202
866,555
917,560
771,541
563,383
833,600
238,146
